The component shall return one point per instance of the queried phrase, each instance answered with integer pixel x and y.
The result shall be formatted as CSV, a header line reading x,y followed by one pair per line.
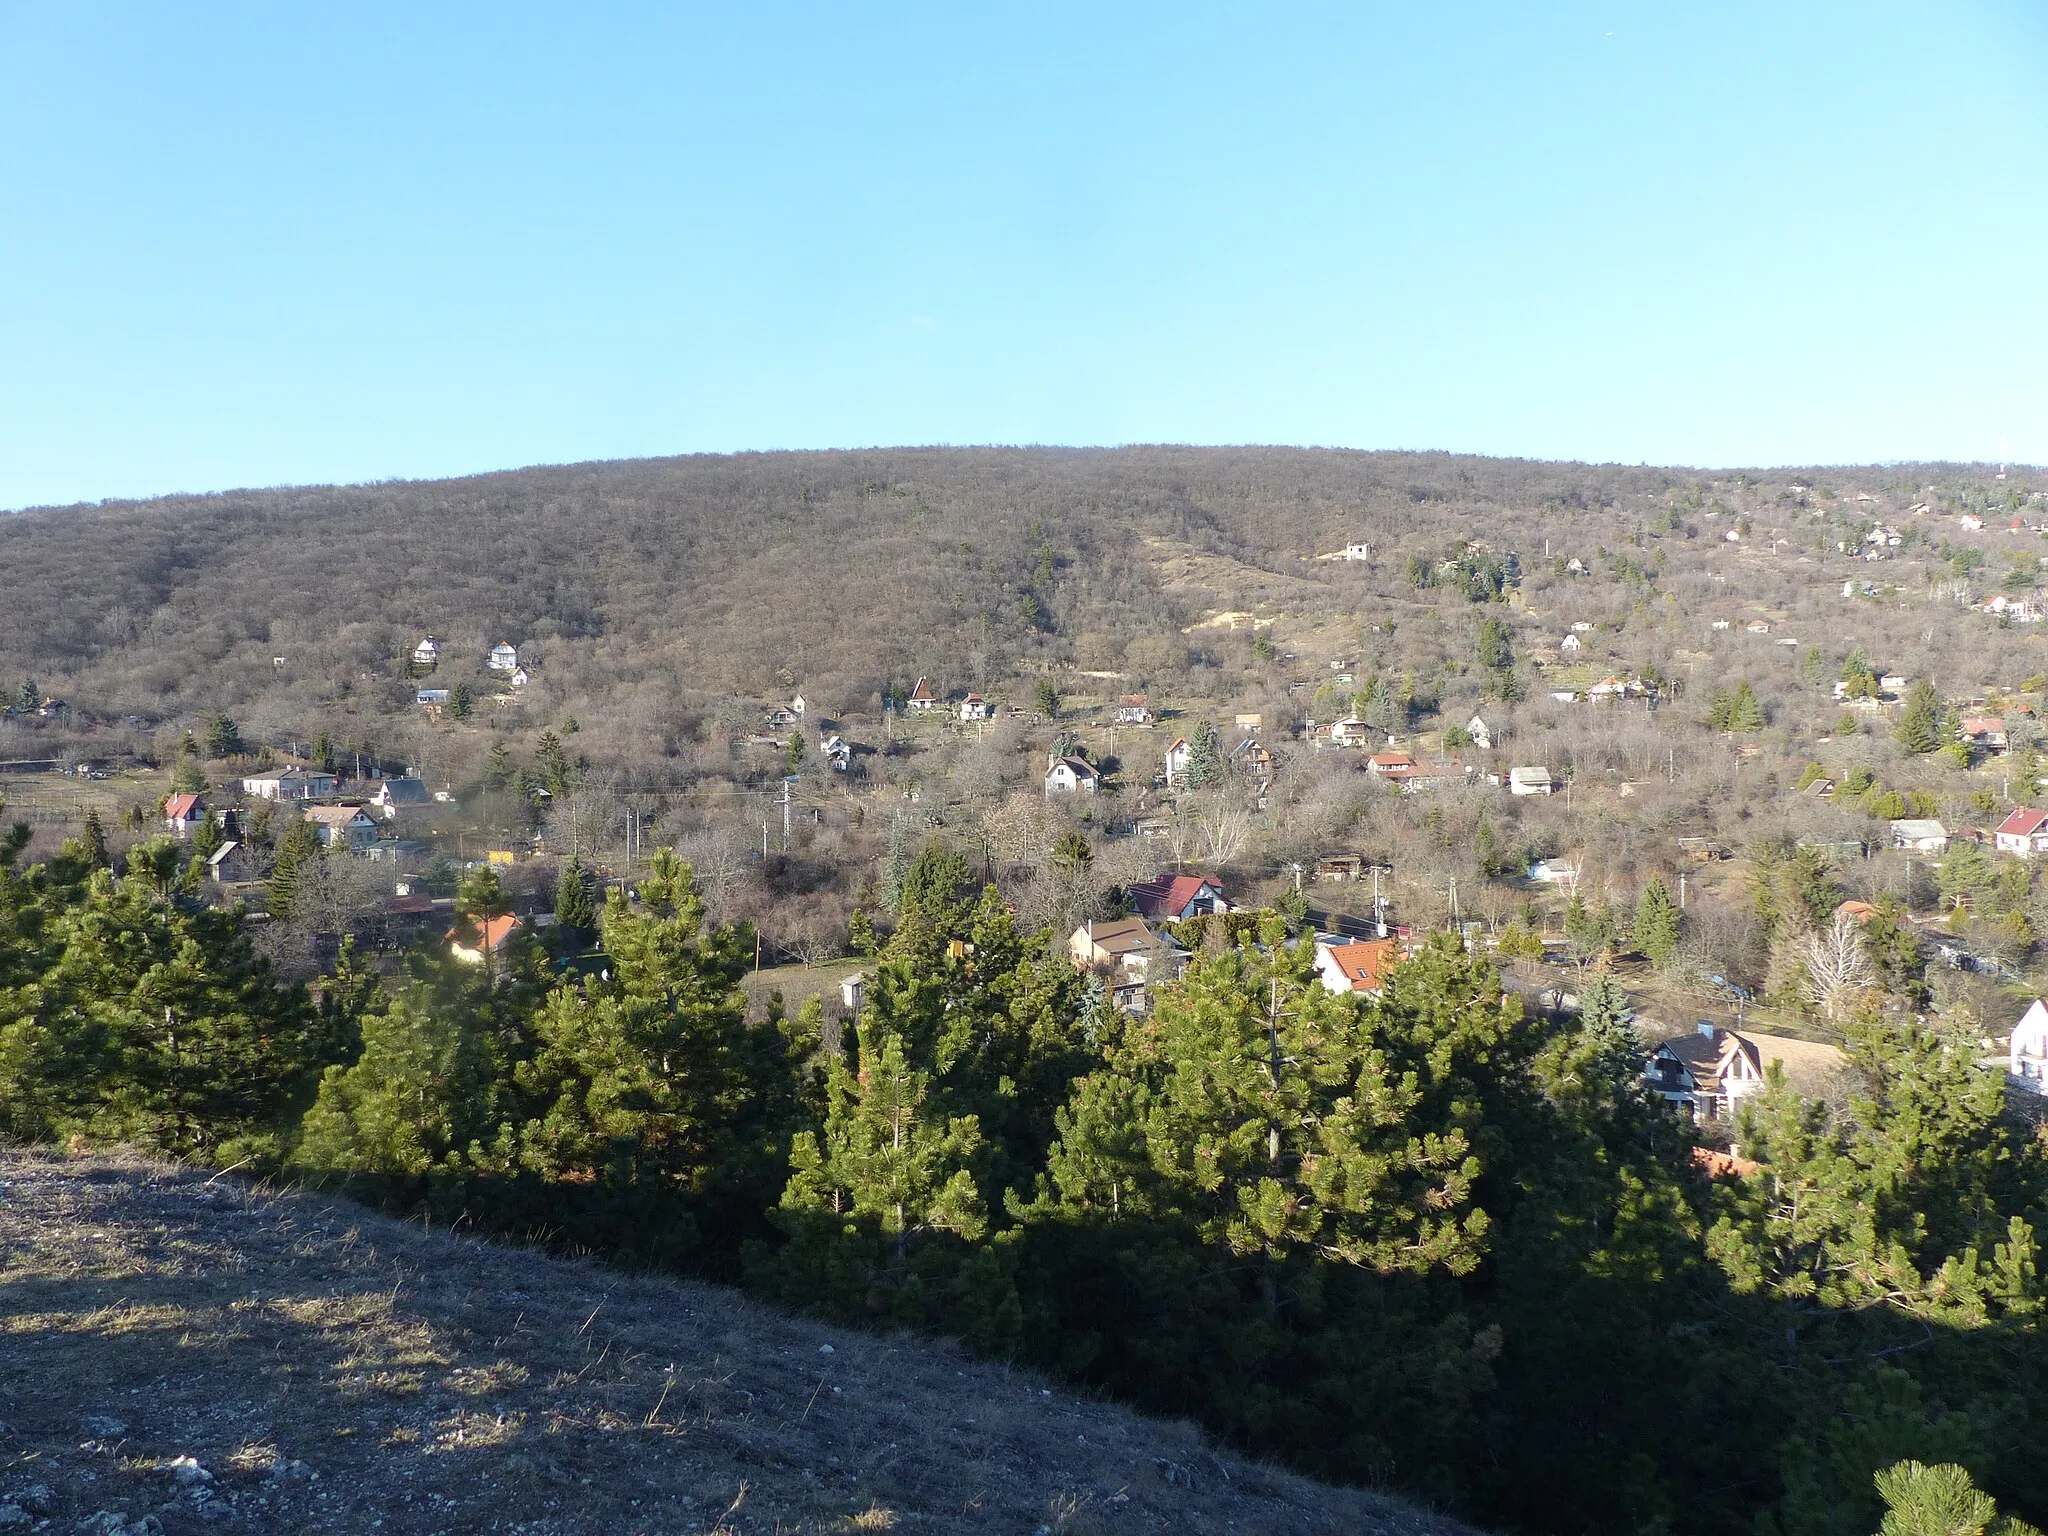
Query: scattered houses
x,y
427,653
1129,956
1250,757
231,864
837,752
1984,732
1350,732
1357,966
1339,869
1357,551
2024,832
1480,732
1570,645
288,784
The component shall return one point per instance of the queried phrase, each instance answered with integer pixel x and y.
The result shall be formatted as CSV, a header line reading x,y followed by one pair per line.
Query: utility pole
x,y
1681,890
786,784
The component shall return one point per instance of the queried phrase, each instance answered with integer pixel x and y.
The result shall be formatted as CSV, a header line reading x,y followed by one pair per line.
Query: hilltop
x,y
324,1368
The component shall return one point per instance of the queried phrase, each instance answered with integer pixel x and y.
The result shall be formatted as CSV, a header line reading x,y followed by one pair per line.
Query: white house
x,y
342,826
1530,781
290,784
1920,835
1582,626
2024,833
184,812
1071,776
1570,645
427,653
974,707
853,991
1131,709
1177,758
1708,1072
1553,872
1359,966
1349,732
798,707
1357,551
503,658
836,751
400,792
2026,1054
1128,955
1480,732
921,697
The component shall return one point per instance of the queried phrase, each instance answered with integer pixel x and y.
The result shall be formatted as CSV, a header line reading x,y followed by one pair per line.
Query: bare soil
x,y
181,1352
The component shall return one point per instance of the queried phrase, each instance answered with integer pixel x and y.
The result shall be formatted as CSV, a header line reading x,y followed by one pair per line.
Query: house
x,y
1129,956
2023,832
1721,624
1357,551
1920,835
1893,683
1249,756
1390,765
1757,627
1480,732
1553,872
921,697
798,707
402,792
1985,732
837,752
1172,897
184,812
503,658
1582,627
1131,709
1178,756
231,864
779,719
1707,1072
520,677
1349,732
1575,566
492,935
1570,645
290,784
1971,521
853,991
342,826
2026,1053
1359,966
974,707
1530,781
1071,776
1339,869
434,698
427,653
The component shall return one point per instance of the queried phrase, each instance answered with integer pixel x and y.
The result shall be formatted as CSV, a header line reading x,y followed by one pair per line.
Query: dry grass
x,y
333,1371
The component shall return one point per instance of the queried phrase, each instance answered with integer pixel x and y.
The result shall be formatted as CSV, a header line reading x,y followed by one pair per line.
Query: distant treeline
x,y
1419,1240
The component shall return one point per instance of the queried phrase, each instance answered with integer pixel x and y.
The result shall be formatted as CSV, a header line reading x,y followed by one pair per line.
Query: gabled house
x,y
2026,1058
503,658
1984,732
1570,645
1339,869
1920,835
1132,709
427,653
1357,551
342,826
1250,756
1170,898
974,707
1071,776
1757,627
184,812
1360,966
1707,1072
1349,732
231,864
1177,758
1390,765
289,784
2023,832
837,752
1480,732
1129,956
798,707
921,697
492,935
1530,781
402,792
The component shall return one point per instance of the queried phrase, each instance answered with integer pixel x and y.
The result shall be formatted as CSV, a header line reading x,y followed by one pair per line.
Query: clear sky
x,y
286,243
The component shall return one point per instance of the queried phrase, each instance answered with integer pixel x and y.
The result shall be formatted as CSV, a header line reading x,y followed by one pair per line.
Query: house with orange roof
x,y
1360,966
492,935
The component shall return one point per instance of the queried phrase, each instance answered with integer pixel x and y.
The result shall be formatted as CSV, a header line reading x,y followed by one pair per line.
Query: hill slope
x,y
326,1368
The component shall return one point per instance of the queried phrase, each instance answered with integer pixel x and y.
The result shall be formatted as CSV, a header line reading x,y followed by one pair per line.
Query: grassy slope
x,y
435,1384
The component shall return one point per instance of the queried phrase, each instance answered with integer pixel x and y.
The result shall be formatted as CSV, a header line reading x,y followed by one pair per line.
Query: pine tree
x,y
461,701
299,846
1744,712
323,753
1047,700
575,913
1205,757
499,770
1940,1501
553,760
223,737
1656,932
1919,727
29,697
94,839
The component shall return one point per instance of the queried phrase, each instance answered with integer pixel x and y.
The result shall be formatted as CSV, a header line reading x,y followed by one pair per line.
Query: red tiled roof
x,y
1365,962
180,807
495,931
2023,823
1167,896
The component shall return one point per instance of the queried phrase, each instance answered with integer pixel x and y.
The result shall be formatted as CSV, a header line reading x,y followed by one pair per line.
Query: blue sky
x,y
286,244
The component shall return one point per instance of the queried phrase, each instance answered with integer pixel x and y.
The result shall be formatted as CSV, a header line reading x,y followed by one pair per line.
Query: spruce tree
x,y
1656,932
223,737
575,913
1205,757
299,846
1919,727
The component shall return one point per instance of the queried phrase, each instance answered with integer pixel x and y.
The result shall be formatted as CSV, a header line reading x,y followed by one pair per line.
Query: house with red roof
x,y
491,935
921,697
184,812
2023,832
1172,897
1360,966
1984,732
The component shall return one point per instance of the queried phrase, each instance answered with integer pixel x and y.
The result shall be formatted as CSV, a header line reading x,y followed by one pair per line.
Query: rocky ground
x,y
181,1353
